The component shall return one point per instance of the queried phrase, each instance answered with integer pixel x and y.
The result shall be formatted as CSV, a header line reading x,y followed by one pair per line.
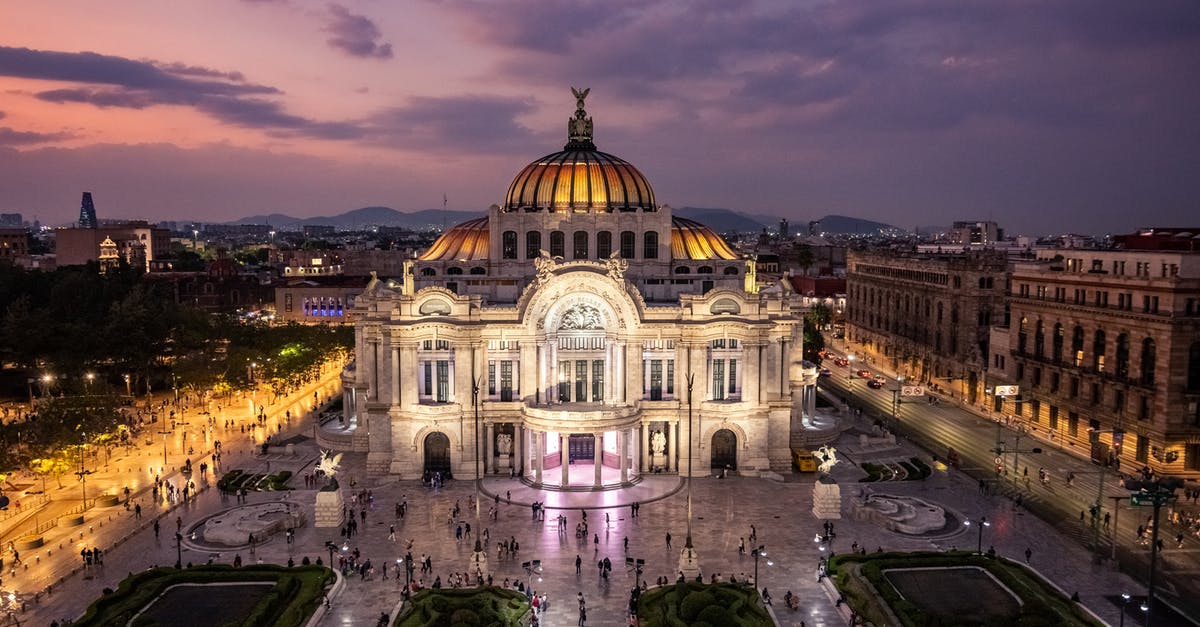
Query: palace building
x,y
579,335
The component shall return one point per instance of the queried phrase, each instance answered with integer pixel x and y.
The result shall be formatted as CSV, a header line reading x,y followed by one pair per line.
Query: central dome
x,y
580,178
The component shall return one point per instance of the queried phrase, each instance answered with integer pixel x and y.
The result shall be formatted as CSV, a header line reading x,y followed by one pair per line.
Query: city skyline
x,y
1076,116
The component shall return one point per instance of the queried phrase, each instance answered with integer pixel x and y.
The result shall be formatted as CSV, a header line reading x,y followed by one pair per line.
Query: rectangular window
x,y
506,381
1142,454
1144,407
598,381
1054,381
718,391
733,376
491,378
443,381
1074,387
1096,394
428,378
671,377
656,379
1191,457
581,372
564,381
1053,418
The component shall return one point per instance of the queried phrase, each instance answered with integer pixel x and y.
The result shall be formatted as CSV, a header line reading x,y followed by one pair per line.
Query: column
x,y
619,396
598,457
409,374
527,377
395,395
623,450
552,372
750,381
609,382
562,456
675,446
645,452
538,453
519,450
371,374
489,461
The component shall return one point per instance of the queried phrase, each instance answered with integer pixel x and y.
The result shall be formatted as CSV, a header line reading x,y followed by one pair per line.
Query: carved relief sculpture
x,y
504,444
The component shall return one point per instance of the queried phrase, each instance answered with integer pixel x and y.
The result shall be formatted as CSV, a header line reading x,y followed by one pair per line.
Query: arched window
x,y
558,244
1077,346
1149,354
580,245
939,314
603,245
533,244
683,270
650,245
453,270
478,270
1122,356
628,242
428,272
1098,348
731,270
1022,334
508,245
704,270
1039,339
1193,370
1056,343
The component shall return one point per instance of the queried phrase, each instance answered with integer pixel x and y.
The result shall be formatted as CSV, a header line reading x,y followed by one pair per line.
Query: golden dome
x,y
467,241
580,178
692,240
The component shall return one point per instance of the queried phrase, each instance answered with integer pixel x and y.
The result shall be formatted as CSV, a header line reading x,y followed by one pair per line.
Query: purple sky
x,y
1075,115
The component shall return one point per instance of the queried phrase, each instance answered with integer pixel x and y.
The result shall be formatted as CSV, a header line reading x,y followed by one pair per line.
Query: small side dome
x,y
467,242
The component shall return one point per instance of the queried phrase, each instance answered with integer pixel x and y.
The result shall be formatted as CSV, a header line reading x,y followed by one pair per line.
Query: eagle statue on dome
x,y
580,95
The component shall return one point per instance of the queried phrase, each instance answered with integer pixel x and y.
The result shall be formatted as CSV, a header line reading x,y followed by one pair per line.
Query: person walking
x,y
1028,554
578,564
668,540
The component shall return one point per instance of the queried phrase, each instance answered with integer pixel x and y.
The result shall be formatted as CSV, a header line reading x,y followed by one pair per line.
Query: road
x,y
974,435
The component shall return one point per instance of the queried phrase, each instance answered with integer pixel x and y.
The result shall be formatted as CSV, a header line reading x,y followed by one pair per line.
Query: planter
x,y
25,543
71,520
107,500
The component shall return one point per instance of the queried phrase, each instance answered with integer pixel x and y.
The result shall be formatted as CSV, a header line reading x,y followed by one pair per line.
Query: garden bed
x,y
466,607
693,604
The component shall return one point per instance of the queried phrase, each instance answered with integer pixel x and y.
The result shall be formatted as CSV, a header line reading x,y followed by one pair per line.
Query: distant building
x,y
136,242
14,245
87,213
315,300
318,230
977,234
11,220
1105,348
306,263
927,314
244,230
1180,239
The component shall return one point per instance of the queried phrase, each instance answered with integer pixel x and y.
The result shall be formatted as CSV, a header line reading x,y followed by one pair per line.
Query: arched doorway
x,y
724,449
437,453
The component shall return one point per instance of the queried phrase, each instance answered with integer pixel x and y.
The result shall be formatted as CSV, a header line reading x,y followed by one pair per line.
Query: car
x,y
826,372
880,379
841,361
874,384
864,373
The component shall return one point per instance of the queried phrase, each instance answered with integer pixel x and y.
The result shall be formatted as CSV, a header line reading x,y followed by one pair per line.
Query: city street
x,y
973,433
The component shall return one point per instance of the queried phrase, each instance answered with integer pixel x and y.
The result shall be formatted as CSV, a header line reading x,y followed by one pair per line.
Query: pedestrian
x,y
741,546
578,564
626,544
156,529
1028,554
582,616
392,533
596,542
754,532
668,540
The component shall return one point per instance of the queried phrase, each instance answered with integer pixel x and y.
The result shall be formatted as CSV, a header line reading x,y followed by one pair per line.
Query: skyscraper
x,y
87,213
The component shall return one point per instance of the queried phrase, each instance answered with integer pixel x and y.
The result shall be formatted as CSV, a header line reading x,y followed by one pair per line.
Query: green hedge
x,y
693,604
465,607
1041,604
297,593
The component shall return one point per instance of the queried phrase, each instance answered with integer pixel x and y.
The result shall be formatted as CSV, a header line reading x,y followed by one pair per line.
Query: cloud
x,y
110,81
11,137
355,35
2,114
456,124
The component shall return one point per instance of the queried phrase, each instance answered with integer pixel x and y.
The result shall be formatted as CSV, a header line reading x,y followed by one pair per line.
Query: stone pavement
x,y
724,509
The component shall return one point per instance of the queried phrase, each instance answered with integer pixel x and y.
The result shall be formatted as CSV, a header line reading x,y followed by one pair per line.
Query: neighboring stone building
x,y
1104,342
14,245
598,333
136,242
318,300
927,314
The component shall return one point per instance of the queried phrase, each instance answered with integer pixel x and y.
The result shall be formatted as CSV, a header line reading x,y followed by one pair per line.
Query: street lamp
x,y
691,378
178,550
531,567
981,523
475,406
332,547
1124,603
128,386
88,377
757,552
637,565
82,474
1157,493
164,433
896,397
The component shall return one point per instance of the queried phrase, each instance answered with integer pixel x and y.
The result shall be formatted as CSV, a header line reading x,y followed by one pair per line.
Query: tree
x,y
45,466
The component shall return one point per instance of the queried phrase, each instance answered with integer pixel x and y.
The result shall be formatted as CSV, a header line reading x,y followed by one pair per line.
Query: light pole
x,y
88,377
164,433
478,478
179,550
82,474
531,567
980,523
1124,603
691,378
896,398
638,565
1157,493
128,386
332,547
756,553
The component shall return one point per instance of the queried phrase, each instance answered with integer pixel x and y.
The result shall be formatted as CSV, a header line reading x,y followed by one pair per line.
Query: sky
x,y
1048,117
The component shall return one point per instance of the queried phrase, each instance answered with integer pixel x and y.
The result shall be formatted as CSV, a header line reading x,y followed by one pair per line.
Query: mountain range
x,y
721,220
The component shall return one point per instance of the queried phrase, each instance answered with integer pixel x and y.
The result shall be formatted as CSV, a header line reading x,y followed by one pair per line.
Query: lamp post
x,y
980,523
691,378
1156,493
128,386
756,553
82,474
1124,603
164,433
331,547
178,550
88,377
896,398
531,567
475,406
850,358
638,565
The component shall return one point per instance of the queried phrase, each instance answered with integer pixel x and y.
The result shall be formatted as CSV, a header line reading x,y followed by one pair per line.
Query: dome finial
x,y
579,128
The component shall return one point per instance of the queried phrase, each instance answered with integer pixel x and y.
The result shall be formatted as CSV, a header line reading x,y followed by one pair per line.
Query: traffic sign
x,y
912,390
1138,499
1008,390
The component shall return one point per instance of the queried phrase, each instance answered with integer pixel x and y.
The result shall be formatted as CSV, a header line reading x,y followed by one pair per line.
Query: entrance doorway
x,y
581,446
437,453
724,449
